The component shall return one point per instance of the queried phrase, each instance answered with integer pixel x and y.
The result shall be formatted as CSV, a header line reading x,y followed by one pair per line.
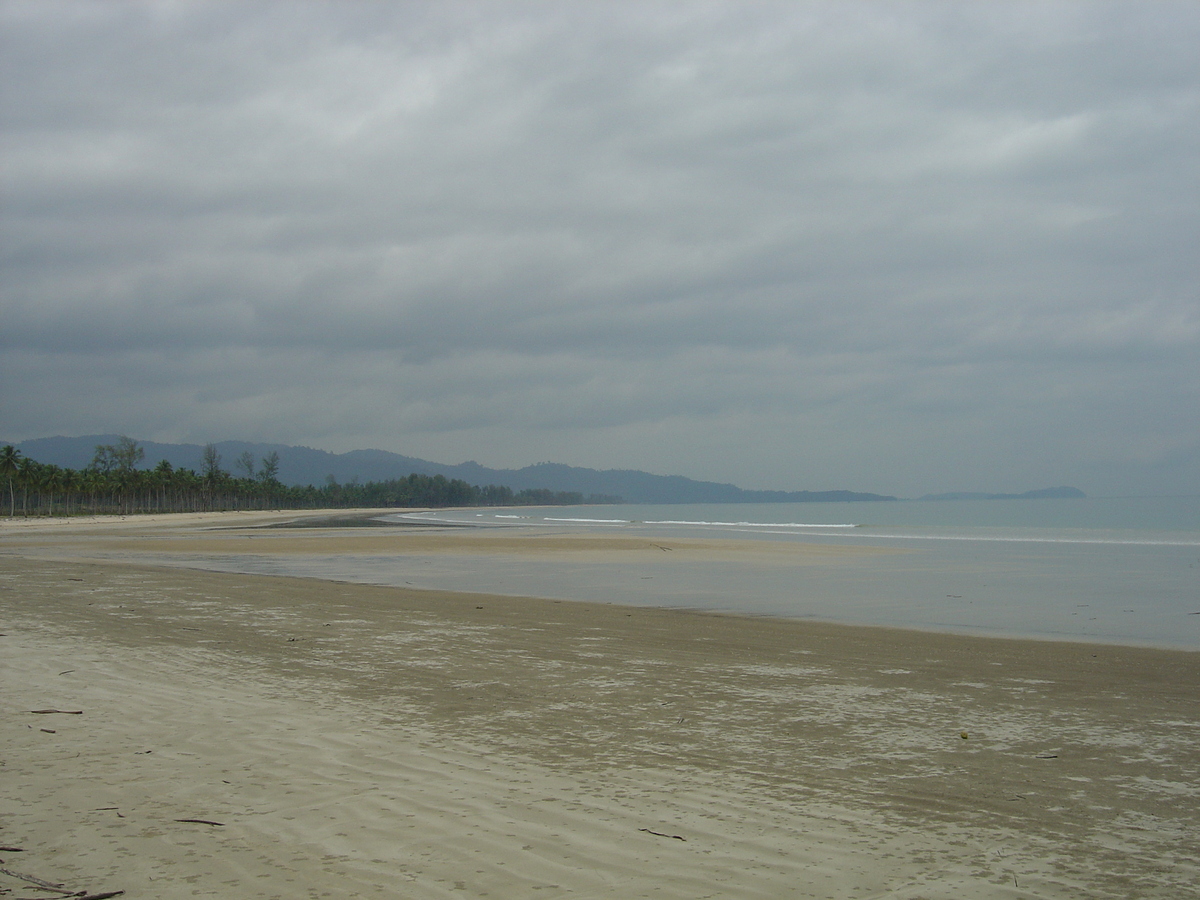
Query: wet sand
x,y
364,741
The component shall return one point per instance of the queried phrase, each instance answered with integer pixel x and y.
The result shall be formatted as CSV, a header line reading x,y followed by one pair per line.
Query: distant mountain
x,y
304,465
1051,493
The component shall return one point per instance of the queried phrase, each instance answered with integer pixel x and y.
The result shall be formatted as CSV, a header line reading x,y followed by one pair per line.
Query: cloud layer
x,y
893,247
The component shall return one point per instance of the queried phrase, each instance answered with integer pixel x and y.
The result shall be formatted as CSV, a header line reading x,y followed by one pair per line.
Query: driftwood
x,y
202,822
64,712
660,834
45,885
57,888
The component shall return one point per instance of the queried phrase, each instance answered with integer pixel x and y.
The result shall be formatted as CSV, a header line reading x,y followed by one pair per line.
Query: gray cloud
x,y
901,247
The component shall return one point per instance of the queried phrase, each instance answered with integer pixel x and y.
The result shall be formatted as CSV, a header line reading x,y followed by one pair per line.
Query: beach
x,y
172,731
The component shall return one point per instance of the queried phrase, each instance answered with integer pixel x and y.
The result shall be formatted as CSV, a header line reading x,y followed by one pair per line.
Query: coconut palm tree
x,y
91,483
10,460
50,483
27,471
70,483
162,477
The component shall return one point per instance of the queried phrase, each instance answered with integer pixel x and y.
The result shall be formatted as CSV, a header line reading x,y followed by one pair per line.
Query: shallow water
x,y
1107,570
1122,572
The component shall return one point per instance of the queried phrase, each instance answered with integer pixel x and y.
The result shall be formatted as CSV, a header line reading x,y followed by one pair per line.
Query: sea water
x,y
1110,570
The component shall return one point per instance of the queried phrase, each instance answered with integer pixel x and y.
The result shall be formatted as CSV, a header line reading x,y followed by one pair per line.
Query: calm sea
x,y
1120,570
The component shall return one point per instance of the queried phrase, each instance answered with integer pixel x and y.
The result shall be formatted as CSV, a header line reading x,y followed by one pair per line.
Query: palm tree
x,y
10,459
27,471
70,483
164,474
50,482
91,483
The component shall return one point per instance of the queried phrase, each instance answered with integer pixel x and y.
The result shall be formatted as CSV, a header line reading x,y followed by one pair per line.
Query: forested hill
x,y
304,465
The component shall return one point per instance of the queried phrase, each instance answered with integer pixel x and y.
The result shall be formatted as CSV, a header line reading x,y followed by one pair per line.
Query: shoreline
x,y
570,565
373,741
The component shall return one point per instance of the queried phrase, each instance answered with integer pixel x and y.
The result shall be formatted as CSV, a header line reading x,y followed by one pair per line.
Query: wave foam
x,y
753,524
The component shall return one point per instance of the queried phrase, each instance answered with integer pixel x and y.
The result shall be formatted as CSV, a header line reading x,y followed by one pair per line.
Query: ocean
x,y
1108,570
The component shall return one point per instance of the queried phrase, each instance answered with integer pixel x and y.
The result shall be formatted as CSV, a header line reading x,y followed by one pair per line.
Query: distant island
x,y
1050,493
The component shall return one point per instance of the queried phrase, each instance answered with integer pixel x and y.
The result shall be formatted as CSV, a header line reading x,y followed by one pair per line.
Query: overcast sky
x,y
893,247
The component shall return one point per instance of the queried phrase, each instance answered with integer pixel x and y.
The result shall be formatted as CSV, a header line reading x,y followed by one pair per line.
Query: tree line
x,y
113,484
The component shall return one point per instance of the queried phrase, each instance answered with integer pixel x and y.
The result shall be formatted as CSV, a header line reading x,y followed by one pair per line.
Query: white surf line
x,y
866,531
754,524
589,521
1024,540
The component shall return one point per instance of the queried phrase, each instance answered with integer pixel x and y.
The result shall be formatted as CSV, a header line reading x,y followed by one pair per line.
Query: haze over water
x,y
1111,570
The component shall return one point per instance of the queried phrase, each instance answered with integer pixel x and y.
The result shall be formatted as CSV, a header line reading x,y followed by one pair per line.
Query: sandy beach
x,y
172,732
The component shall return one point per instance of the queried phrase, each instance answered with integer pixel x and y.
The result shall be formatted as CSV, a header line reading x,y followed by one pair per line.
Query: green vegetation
x,y
112,484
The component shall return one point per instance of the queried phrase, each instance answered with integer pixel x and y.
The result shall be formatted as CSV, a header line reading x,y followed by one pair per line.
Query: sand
x,y
362,741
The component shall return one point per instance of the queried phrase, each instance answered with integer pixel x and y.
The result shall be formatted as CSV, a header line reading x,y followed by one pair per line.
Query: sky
x,y
893,247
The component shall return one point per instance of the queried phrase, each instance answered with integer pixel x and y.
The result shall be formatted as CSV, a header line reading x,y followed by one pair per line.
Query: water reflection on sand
x,y
1129,593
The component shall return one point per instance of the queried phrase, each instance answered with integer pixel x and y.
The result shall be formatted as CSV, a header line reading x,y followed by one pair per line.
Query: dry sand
x,y
361,741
